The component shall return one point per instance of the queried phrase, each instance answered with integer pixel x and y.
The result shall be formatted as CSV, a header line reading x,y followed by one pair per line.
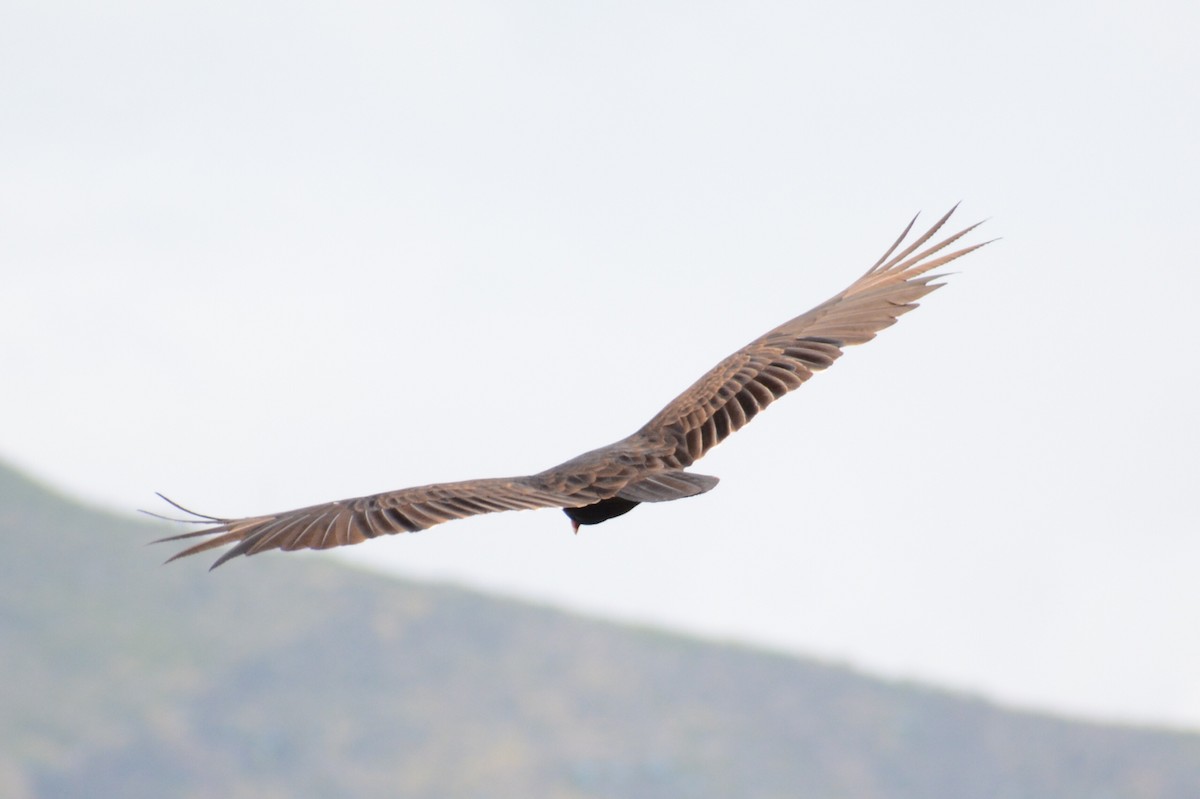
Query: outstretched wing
x,y
720,402
352,521
737,388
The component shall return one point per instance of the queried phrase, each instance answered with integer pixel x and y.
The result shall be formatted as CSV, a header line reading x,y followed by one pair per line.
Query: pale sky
x,y
262,257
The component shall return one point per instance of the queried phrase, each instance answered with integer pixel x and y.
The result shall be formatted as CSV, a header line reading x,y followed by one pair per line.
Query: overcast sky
x,y
261,256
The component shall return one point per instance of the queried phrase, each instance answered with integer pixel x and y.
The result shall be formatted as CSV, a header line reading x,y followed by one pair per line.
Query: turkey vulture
x,y
648,466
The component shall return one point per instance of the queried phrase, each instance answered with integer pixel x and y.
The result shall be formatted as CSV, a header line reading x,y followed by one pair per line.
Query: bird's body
x,y
648,466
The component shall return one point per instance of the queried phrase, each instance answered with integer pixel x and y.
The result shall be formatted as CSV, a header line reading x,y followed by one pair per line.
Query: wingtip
x,y
177,506
240,548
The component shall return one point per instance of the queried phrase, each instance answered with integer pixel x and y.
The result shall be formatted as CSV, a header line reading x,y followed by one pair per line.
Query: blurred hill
x,y
300,677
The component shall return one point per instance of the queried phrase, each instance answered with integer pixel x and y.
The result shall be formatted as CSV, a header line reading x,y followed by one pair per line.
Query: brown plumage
x,y
648,466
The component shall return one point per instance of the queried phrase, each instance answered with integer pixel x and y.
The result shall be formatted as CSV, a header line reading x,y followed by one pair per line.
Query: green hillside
x,y
298,677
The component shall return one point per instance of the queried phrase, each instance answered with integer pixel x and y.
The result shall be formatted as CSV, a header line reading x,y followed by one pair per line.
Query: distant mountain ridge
x,y
300,677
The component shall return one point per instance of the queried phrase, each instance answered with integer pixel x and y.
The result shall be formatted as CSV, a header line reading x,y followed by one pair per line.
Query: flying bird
x,y
648,466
